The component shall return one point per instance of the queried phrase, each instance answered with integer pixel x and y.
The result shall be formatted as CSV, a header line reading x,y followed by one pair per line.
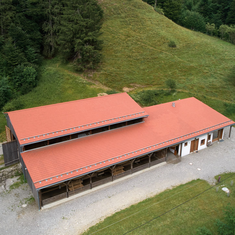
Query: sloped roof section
x,y
45,122
165,126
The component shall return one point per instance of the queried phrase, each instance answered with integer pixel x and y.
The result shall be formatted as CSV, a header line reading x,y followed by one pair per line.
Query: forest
x,y
31,30
214,17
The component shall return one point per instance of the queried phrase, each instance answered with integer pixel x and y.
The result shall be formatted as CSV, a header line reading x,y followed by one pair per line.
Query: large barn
x,y
71,147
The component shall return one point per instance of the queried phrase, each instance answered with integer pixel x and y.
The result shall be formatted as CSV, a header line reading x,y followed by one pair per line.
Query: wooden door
x,y
194,145
220,133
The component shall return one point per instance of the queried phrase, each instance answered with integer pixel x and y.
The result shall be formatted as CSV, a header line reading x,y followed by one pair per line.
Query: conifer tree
x,y
6,15
50,26
79,31
231,14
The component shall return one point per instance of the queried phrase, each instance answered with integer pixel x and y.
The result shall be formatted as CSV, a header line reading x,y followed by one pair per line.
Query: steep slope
x,y
136,51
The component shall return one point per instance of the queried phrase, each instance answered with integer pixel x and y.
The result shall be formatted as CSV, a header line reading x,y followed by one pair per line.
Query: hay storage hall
x,y
71,147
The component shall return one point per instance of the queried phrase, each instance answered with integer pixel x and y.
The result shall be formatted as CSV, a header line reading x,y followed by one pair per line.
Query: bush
x,y
24,79
172,44
146,97
159,10
203,231
171,84
193,20
110,92
13,105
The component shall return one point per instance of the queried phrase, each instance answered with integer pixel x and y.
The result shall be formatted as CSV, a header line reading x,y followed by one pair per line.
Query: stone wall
x,y
10,172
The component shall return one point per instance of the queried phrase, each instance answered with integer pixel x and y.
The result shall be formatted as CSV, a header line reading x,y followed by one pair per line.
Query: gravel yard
x,y
74,216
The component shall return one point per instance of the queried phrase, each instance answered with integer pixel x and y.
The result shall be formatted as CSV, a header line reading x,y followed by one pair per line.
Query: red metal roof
x,y
45,122
165,126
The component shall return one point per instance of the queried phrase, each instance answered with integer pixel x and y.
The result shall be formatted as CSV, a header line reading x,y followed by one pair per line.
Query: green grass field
x,y
136,51
180,210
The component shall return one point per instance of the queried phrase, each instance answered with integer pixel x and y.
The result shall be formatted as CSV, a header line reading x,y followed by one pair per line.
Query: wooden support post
x,y
166,154
91,175
112,168
150,155
48,142
132,165
230,132
40,199
67,189
90,182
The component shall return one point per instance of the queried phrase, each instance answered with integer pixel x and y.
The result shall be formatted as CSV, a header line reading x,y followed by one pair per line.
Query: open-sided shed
x,y
75,146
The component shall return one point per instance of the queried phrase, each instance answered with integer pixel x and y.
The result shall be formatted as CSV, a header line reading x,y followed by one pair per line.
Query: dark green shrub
x,y
147,97
203,231
13,105
172,44
159,10
24,79
110,92
171,84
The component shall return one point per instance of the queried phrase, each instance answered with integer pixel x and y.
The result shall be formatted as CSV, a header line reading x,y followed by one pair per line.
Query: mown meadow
x,y
181,210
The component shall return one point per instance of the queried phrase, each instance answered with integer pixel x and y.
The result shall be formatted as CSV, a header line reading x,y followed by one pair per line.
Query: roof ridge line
x,y
88,124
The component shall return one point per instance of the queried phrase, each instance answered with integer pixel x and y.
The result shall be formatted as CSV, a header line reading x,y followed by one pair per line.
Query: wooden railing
x,y
79,190
100,182
141,167
54,198
157,161
128,172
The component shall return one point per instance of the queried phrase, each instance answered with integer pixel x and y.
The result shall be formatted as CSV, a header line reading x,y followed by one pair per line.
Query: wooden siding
x,y
10,153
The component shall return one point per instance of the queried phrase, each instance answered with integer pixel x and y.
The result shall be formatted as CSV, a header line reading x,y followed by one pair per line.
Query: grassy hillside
x,y
136,51
136,55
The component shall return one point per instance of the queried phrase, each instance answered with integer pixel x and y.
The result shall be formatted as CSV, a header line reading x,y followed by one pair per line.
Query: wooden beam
x,y
230,131
67,189
112,168
40,199
132,161
91,175
150,155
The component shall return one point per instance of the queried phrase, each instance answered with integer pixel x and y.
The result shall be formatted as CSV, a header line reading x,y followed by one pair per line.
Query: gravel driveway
x,y
74,216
